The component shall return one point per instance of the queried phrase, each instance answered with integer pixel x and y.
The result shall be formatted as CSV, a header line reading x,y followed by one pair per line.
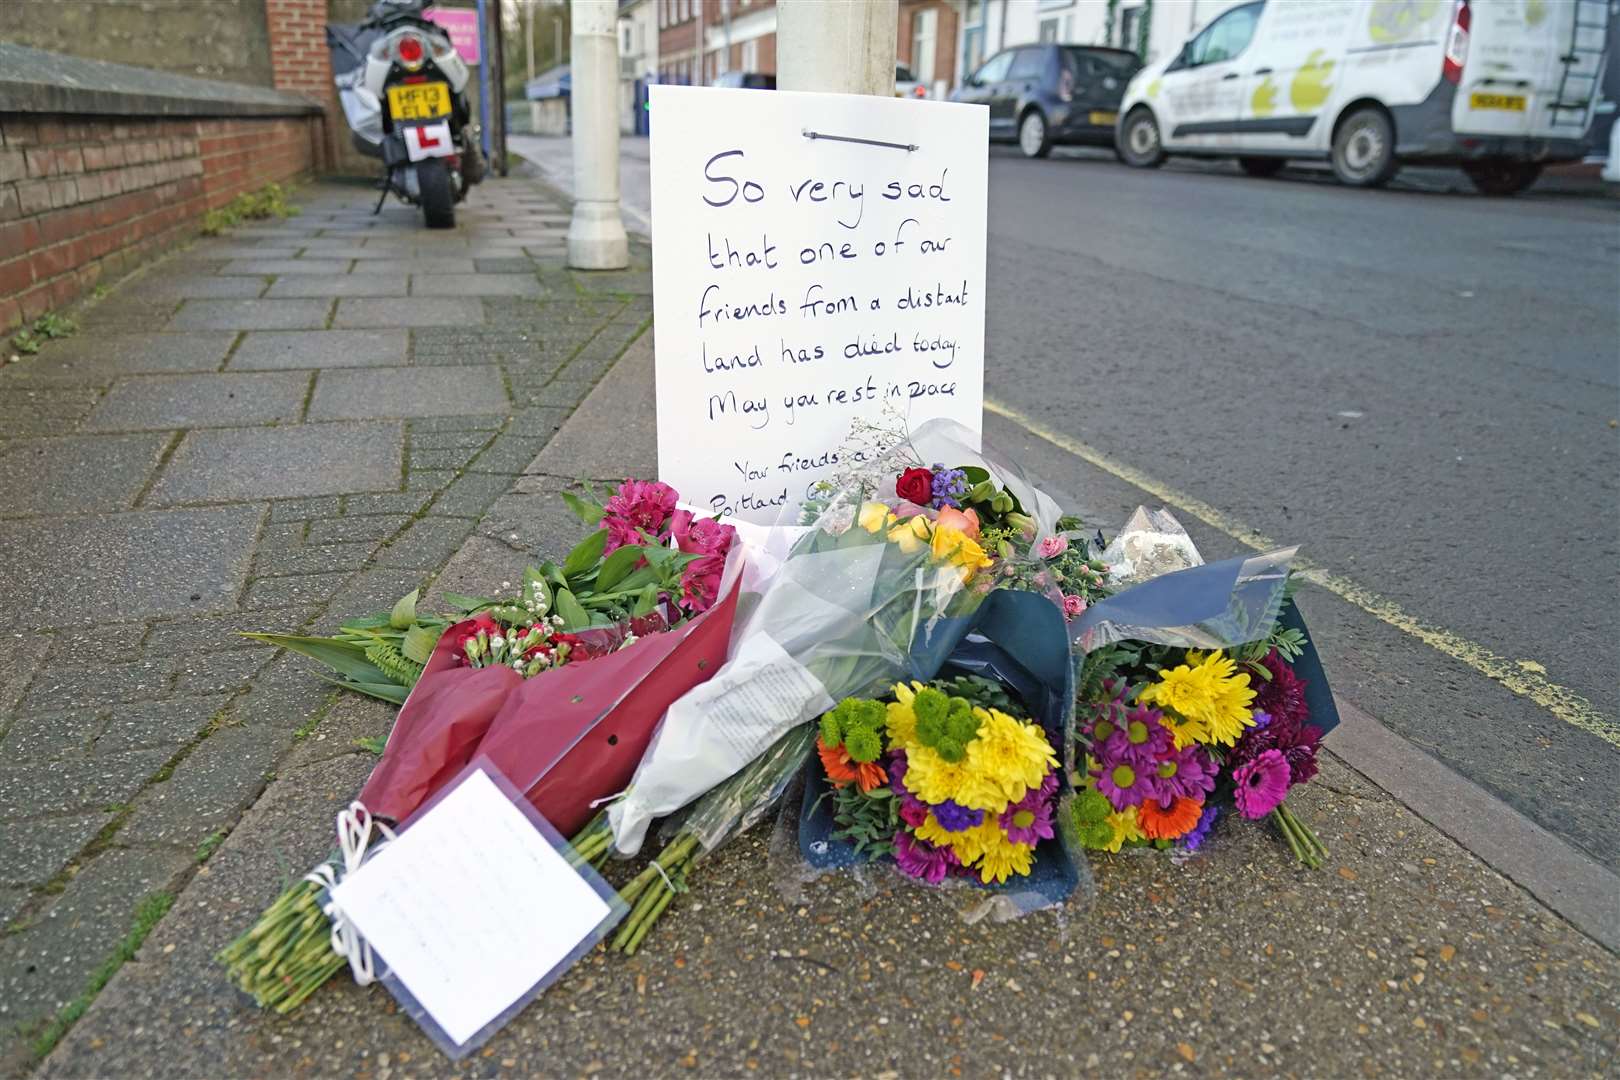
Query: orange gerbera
x,y
1160,822
841,769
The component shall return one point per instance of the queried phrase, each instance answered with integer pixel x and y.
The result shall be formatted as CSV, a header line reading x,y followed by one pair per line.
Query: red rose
x,y
916,485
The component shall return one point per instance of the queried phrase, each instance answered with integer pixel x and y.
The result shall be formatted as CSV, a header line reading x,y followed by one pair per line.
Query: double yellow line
x,y
1527,678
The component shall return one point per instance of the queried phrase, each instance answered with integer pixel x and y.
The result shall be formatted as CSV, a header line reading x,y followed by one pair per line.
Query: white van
x,y
1498,87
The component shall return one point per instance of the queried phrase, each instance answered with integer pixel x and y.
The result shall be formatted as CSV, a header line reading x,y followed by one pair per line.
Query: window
x,y
1029,64
750,55
1130,28
1049,31
995,70
923,28
1226,37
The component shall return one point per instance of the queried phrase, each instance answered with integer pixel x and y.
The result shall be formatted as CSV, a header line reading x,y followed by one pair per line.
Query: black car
x,y
1041,96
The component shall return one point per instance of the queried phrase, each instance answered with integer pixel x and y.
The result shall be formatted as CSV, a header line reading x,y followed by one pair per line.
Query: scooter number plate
x,y
419,101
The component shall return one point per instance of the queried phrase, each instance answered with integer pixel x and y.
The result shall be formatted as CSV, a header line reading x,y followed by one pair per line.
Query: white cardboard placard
x,y
799,282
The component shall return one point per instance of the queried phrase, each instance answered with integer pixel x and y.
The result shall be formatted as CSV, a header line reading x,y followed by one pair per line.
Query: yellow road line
x,y
1527,678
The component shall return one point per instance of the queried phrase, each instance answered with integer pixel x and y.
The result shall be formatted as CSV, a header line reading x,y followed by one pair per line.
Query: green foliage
x,y
404,613
1103,664
396,665
372,744
979,691
588,511
209,844
869,821
269,201
47,327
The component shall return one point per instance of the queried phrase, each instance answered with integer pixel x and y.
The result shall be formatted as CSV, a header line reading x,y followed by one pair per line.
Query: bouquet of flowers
x,y
1200,694
947,778
638,614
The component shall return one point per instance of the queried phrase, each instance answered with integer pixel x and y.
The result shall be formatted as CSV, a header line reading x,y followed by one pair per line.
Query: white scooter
x,y
404,92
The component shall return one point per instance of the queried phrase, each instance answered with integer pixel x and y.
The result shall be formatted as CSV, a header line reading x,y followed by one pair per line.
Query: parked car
x,y
906,84
745,80
1497,87
1042,96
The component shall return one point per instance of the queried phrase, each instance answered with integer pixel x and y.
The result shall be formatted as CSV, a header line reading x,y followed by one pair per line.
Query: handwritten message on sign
x,y
818,258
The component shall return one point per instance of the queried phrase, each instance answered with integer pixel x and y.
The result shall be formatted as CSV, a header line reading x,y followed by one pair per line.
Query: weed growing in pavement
x,y
209,844
147,916
269,201
45,328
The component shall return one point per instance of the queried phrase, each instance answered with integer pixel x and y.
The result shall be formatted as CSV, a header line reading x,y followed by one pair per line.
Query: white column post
x,y
841,46
596,239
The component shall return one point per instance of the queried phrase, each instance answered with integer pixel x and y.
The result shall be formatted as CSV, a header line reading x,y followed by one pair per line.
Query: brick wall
x,y
87,197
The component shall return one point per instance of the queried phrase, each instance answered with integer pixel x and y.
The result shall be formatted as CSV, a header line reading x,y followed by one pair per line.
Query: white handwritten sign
x,y
818,258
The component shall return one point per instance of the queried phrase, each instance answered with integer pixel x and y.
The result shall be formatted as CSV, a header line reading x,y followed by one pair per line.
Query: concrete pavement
x,y
274,429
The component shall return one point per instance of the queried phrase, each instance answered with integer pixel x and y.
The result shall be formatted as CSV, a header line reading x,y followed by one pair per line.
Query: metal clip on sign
x,y
907,147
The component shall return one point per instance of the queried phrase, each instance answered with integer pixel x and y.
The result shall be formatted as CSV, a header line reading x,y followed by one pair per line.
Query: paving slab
x,y
166,287
166,402
386,392
262,266
31,853
269,463
116,567
518,284
251,315
166,724
416,311
50,736
96,354
266,349
380,284
77,474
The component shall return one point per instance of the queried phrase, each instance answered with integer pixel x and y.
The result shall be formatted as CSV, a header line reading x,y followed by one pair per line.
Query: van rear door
x,y
1532,67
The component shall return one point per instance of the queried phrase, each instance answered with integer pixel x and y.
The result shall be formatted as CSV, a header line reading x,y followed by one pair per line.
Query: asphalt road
x,y
1417,385
1419,388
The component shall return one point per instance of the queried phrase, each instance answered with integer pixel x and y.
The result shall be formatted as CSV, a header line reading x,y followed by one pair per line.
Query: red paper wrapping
x,y
566,737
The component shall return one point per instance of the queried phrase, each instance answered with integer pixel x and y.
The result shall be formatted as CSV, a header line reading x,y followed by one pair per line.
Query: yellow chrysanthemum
x,y
1002,858
873,516
934,780
1185,731
1205,700
1009,756
902,721
1229,706
968,844
1125,829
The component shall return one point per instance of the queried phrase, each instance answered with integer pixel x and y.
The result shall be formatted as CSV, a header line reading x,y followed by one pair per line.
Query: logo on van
x,y
1392,21
1310,87
1264,102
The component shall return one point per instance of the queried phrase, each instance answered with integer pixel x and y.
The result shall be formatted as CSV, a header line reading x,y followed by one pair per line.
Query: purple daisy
x,y
913,811
1199,833
1029,820
954,817
1141,739
922,860
1124,784
1049,784
1187,772
1261,784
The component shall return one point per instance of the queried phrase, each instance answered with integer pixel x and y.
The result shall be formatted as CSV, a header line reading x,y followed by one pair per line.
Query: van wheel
x,y
1364,149
1262,166
1502,177
1033,138
1138,142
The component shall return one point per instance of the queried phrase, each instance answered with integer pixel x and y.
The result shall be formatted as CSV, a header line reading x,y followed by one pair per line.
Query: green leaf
x,y
373,744
975,475
466,605
385,691
344,657
585,555
536,591
574,616
404,613
419,642
617,566
646,601
588,512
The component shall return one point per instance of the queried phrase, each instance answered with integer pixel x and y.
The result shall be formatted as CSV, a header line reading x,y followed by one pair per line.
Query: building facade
x,y
638,60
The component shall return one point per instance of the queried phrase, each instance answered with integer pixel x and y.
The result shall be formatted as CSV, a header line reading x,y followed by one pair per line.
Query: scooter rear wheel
x,y
438,194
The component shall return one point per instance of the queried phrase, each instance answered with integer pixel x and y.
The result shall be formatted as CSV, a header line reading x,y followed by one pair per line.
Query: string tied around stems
x,y
354,831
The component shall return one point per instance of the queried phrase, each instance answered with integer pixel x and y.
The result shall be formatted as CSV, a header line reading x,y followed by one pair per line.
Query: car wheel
x,y
1364,149
1033,138
1262,166
1502,177
1139,144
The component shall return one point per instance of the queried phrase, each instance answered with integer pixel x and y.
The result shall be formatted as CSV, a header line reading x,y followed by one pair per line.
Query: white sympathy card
x,y
473,908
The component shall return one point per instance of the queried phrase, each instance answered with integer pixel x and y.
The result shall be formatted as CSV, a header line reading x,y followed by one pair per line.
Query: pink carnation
x,y
1073,606
1051,547
645,504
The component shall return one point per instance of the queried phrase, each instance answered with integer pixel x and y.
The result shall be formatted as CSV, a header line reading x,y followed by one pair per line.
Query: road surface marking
x,y
1527,678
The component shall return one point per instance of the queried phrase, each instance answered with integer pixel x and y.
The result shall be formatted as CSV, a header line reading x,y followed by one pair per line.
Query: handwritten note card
x,y
800,282
471,907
